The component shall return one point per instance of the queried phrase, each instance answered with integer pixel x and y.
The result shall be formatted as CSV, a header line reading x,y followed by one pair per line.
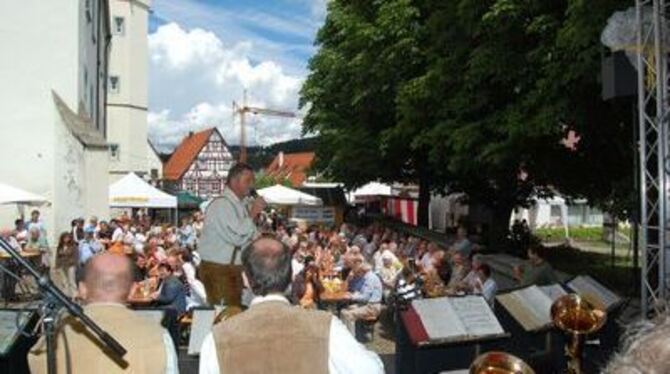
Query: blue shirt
x,y
88,249
366,289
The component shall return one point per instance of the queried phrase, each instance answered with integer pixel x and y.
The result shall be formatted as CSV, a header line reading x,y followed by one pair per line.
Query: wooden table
x,y
25,254
139,300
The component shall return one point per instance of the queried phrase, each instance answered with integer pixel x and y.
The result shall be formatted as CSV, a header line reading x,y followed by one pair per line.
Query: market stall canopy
x,y
13,195
132,191
372,189
282,195
187,200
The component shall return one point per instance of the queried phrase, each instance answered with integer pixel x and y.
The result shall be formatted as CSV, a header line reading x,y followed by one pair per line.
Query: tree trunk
x,y
424,198
500,227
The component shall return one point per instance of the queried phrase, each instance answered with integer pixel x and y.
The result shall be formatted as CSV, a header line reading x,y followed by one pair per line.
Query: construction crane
x,y
242,110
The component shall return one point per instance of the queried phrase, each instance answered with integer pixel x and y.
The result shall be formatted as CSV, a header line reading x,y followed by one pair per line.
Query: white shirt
x,y
489,289
118,235
345,354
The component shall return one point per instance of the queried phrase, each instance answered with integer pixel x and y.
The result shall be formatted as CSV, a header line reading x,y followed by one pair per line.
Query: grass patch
x,y
621,278
577,233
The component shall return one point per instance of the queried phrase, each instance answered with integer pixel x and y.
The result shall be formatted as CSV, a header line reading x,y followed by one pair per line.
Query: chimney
x,y
281,159
190,134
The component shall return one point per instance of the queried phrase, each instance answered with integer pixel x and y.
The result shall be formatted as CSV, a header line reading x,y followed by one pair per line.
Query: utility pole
x,y
242,110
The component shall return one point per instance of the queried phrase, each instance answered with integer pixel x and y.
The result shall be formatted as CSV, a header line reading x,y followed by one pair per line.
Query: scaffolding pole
x,y
652,63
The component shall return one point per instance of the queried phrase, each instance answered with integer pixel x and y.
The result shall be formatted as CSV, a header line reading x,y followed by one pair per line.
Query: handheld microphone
x,y
253,193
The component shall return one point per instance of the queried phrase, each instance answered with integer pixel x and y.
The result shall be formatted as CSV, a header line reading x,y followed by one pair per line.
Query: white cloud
x,y
194,78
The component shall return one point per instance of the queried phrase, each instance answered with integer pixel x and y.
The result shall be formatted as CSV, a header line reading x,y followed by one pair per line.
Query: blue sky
x,y
287,26
204,53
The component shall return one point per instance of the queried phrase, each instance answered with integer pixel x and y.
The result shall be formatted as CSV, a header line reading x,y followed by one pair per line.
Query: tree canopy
x,y
472,96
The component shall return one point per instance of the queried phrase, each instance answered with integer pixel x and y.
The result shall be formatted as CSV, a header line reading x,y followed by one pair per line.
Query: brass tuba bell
x,y
576,316
499,363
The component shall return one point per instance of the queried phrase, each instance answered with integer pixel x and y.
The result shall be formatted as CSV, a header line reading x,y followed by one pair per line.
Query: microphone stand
x,y
53,299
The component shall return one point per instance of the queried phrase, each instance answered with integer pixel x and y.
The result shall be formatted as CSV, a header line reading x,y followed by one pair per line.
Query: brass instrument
x,y
577,317
499,363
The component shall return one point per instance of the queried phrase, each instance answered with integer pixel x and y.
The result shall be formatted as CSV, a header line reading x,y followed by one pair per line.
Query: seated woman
x,y
388,274
306,287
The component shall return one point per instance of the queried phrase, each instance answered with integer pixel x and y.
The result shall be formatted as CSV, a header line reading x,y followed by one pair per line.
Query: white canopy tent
x,y
13,195
369,190
282,195
132,191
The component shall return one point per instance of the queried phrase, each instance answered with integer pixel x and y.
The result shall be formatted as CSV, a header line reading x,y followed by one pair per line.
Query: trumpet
x,y
577,317
499,363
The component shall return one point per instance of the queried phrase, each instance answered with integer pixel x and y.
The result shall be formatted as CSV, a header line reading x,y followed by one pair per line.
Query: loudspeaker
x,y
619,77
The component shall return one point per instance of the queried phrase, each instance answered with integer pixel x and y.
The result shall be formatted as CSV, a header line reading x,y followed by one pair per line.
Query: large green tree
x,y
472,96
368,50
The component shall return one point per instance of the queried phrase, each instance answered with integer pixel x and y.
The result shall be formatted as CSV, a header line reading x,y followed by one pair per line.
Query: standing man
x,y
229,227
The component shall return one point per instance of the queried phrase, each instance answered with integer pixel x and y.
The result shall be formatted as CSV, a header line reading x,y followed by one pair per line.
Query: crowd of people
x,y
375,264
236,255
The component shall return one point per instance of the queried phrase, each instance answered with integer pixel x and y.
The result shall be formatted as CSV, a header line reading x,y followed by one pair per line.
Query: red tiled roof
x,y
185,154
294,167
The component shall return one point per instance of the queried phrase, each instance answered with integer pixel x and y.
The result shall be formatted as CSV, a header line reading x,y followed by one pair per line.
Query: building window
x,y
94,13
91,109
89,14
119,26
216,188
114,84
114,152
154,174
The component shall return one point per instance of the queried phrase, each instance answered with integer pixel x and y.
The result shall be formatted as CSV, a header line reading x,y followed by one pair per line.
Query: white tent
x,y
13,195
281,195
369,190
132,191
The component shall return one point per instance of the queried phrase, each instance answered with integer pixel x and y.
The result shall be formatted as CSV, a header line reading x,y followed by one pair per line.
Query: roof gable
x,y
186,153
294,166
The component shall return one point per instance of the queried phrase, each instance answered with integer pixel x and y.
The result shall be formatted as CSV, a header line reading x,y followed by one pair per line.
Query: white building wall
x,y
44,56
127,106
154,162
44,48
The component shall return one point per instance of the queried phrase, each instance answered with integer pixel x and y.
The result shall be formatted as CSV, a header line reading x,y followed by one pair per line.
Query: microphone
x,y
253,193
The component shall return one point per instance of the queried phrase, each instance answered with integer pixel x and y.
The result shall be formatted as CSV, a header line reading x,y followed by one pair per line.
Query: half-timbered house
x,y
199,165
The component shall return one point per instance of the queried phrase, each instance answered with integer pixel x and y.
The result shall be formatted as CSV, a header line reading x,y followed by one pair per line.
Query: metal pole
x,y
642,144
662,144
243,134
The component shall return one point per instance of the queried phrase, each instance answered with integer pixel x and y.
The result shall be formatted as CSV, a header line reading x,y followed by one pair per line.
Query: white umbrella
x,y
371,189
13,195
282,195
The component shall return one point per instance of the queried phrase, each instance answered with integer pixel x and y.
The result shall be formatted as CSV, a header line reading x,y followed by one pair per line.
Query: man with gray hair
x,y
229,227
365,290
645,350
274,337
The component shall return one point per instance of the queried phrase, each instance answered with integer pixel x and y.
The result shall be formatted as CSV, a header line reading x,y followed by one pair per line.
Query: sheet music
x,y
439,318
538,302
200,327
594,292
529,306
554,291
476,315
